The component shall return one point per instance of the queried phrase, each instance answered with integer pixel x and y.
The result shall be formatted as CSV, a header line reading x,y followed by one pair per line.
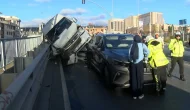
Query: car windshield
x,y
118,41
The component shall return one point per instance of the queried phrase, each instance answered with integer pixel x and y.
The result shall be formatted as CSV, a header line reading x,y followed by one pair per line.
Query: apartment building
x,y
147,23
130,22
152,18
9,26
116,26
26,31
96,29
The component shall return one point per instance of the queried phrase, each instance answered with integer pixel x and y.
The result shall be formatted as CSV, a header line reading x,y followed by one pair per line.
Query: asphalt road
x,y
50,95
87,92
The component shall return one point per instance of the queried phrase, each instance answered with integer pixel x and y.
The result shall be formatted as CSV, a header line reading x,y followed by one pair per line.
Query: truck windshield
x,y
63,24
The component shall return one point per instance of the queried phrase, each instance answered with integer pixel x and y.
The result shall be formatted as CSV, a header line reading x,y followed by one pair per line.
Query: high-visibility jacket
x,y
156,57
176,47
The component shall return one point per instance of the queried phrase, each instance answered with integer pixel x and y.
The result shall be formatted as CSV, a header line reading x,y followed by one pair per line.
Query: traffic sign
x,y
183,21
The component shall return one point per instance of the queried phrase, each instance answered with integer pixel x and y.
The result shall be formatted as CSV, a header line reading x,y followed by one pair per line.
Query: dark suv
x,y
108,54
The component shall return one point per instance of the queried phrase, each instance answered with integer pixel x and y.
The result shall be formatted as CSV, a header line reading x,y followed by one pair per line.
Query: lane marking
x,y
64,88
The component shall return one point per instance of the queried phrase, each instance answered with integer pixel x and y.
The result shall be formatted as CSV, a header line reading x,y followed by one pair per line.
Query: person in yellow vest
x,y
158,62
177,50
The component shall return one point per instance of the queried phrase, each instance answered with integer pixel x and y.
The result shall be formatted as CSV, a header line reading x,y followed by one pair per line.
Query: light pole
x,y
112,9
138,16
111,15
150,24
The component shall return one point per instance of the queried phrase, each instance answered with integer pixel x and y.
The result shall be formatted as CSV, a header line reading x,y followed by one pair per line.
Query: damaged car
x,y
108,55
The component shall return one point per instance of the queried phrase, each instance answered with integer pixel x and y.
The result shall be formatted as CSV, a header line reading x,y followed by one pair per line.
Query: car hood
x,y
118,54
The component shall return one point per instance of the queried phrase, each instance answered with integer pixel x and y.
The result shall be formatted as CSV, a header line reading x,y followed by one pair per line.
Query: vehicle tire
x,y
107,78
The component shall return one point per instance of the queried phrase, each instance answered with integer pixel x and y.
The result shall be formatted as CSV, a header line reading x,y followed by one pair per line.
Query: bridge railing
x,y
22,92
17,47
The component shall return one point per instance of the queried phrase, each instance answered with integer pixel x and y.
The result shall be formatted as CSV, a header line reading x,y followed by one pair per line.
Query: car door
x,y
98,55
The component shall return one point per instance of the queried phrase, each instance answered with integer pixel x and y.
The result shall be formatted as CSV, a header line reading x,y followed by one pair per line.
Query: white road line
x,y
64,88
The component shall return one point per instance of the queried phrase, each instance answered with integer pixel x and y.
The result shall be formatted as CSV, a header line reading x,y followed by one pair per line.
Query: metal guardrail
x,y
22,92
16,47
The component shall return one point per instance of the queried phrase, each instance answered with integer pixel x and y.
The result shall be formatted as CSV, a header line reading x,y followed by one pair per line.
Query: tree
x,y
169,29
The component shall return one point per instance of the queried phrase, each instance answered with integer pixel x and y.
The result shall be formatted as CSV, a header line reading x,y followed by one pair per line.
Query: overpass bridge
x,y
41,83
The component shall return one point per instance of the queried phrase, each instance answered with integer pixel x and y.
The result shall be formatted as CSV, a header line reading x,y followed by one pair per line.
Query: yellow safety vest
x,y
176,47
157,56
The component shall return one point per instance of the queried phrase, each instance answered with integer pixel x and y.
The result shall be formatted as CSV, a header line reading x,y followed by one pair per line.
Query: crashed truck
x,y
66,37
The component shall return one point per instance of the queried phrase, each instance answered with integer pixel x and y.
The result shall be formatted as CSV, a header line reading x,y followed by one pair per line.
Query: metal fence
x,y
17,47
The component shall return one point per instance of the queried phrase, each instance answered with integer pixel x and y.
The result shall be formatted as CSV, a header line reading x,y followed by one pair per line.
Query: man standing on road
x,y
136,55
158,38
158,62
177,51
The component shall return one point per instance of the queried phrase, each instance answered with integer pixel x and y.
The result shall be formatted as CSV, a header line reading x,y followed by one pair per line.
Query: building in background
x,y
41,27
92,30
9,26
148,22
27,31
151,22
130,23
116,26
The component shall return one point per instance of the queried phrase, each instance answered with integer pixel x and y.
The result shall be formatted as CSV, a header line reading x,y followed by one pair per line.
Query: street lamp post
x,y
112,9
138,18
150,25
111,15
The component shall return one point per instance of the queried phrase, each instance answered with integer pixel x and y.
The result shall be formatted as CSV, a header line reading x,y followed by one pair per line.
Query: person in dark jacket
x,y
137,52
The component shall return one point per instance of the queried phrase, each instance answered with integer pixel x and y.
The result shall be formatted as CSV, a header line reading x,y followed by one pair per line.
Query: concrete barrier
x,y
6,79
30,54
21,63
36,51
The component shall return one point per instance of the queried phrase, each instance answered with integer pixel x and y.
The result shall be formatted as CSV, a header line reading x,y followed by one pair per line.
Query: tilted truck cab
x,y
66,37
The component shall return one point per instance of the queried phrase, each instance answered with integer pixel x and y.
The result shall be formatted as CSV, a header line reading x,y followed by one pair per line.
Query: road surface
x,y
87,92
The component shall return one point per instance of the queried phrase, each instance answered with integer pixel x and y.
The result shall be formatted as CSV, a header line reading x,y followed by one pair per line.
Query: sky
x,y
33,12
